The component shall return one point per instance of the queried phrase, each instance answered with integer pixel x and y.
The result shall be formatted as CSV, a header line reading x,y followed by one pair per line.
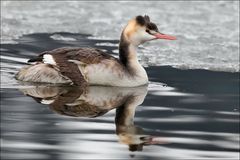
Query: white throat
x,y
133,63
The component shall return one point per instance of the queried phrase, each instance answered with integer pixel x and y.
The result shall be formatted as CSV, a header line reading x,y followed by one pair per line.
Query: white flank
x,y
48,59
100,74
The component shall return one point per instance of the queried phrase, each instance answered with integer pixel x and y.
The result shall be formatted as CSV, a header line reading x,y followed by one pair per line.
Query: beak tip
x,y
172,38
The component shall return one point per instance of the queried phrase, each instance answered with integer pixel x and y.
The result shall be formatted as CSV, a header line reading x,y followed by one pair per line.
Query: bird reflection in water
x,y
94,101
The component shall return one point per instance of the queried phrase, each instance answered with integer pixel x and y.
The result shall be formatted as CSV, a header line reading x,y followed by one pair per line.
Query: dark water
x,y
194,114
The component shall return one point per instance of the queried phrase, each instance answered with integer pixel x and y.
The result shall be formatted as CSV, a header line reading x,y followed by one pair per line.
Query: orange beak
x,y
164,36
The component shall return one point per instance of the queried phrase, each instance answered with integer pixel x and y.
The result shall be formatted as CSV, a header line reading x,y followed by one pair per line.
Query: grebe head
x,y
141,29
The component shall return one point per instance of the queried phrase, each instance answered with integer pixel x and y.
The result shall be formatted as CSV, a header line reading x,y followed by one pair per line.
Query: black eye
x,y
148,31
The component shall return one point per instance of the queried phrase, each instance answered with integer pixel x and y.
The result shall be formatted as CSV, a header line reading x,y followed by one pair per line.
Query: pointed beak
x,y
164,36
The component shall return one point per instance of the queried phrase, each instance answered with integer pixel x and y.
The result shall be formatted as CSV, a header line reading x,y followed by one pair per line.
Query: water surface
x,y
181,114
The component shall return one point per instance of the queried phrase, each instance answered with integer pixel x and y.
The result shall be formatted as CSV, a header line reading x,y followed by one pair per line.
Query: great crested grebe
x,y
93,66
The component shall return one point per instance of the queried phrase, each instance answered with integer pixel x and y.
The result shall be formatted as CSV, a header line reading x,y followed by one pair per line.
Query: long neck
x,y
127,52
128,57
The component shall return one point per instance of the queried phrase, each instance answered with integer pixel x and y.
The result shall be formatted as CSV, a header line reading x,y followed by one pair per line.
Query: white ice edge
x,y
16,59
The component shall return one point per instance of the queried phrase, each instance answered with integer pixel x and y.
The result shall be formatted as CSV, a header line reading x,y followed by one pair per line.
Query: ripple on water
x,y
185,113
